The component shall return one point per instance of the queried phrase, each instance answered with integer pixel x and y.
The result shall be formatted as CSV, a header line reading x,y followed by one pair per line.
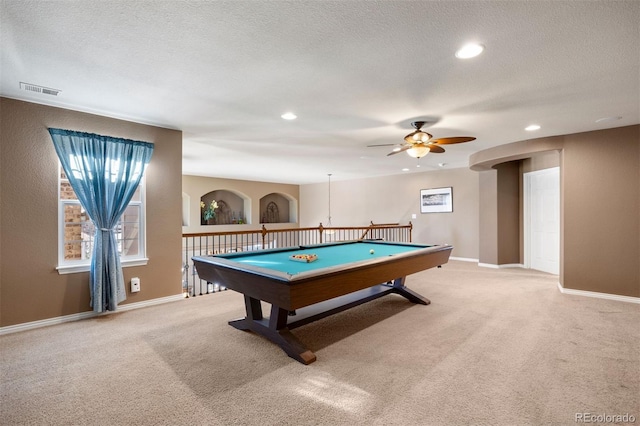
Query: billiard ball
x,y
371,251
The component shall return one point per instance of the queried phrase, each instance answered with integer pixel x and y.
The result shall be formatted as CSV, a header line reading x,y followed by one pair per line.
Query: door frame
x,y
526,199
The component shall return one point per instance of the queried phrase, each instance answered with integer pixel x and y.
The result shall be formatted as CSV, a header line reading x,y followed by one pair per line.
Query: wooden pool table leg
x,y
399,288
274,329
287,341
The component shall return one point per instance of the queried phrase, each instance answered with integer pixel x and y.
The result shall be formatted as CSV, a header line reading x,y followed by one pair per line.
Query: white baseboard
x,y
505,265
463,259
617,297
83,315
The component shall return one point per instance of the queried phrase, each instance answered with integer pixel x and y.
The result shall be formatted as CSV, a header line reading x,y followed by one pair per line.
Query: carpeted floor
x,y
495,347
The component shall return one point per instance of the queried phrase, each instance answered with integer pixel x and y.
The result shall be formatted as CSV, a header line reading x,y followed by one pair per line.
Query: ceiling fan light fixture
x,y
420,143
422,137
418,151
418,137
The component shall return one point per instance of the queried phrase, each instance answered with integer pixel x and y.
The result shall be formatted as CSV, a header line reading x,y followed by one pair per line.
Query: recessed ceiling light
x,y
442,164
470,50
532,127
405,170
289,116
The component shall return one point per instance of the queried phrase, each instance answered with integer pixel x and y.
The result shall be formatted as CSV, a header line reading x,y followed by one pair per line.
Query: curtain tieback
x,y
106,229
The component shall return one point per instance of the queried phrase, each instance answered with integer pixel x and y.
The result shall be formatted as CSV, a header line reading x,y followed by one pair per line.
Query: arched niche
x,y
233,208
278,208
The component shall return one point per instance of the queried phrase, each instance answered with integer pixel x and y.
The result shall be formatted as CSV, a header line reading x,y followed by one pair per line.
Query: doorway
x,y
542,220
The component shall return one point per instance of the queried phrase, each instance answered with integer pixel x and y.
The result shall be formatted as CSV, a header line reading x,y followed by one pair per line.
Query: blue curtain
x,y
104,172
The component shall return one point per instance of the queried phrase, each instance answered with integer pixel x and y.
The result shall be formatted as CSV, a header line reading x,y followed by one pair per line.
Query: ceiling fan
x,y
420,143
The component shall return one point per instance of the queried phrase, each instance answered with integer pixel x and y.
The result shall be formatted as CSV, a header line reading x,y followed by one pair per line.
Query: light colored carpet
x,y
495,347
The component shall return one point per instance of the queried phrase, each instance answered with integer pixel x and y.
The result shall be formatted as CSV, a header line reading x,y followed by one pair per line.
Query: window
x,y
76,231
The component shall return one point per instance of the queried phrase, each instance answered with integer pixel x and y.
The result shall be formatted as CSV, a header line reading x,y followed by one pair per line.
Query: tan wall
x,y
541,161
393,199
193,187
601,201
30,287
508,211
600,204
488,217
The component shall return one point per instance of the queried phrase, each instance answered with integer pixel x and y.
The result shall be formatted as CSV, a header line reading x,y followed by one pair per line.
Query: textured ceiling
x,y
355,72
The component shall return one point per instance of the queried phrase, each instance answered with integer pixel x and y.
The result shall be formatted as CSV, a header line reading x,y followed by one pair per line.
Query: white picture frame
x,y
436,200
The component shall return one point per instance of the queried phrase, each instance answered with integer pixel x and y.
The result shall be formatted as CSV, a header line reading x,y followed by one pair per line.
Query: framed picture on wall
x,y
436,200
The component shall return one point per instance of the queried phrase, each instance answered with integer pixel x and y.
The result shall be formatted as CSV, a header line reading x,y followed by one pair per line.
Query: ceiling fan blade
x,y
435,148
382,144
404,148
448,141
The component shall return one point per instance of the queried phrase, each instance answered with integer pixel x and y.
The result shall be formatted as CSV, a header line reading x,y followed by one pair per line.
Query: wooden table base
x,y
277,327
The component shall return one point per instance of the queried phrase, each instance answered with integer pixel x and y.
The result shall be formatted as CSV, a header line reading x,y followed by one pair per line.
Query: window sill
x,y
72,269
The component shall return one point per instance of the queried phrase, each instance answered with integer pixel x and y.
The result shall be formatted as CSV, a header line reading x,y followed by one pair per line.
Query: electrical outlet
x,y
413,216
135,285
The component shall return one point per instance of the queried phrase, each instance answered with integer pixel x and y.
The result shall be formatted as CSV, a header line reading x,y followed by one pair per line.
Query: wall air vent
x,y
39,89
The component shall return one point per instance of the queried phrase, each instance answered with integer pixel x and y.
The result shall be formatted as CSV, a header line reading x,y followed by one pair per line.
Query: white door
x,y
542,220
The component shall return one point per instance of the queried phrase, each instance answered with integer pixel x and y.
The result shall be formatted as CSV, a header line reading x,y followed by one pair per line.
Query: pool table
x,y
323,280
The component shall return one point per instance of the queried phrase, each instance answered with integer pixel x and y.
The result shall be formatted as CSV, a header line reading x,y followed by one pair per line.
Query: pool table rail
x,y
306,288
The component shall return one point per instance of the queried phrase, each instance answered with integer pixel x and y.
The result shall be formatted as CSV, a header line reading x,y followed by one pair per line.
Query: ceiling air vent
x,y
39,89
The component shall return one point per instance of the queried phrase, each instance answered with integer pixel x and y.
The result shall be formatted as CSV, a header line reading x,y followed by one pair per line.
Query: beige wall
x,y
193,187
600,204
30,287
508,211
488,217
393,199
541,161
387,199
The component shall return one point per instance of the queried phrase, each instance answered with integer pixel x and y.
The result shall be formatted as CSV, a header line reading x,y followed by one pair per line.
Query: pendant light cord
x,y
329,223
